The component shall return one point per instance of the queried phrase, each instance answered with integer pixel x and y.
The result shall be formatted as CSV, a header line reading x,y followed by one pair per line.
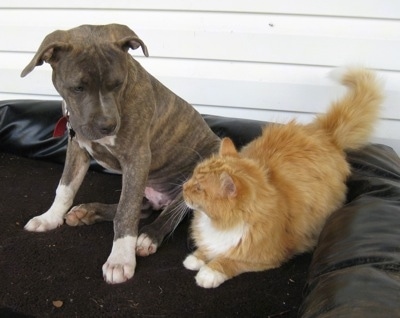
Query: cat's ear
x,y
227,148
228,186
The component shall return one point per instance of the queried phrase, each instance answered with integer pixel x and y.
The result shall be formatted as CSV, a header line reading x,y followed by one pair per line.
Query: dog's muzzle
x,y
106,126
99,128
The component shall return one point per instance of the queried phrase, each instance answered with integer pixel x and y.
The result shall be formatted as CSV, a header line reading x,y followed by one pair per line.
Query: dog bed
x,y
353,272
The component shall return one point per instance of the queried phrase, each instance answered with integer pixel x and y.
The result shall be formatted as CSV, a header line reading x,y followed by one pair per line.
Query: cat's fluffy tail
x,y
350,120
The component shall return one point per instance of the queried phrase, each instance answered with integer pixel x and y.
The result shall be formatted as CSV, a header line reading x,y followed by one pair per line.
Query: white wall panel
x,y
265,60
355,8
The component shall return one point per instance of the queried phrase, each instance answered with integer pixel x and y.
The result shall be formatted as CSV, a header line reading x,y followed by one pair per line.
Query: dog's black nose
x,y
107,130
106,126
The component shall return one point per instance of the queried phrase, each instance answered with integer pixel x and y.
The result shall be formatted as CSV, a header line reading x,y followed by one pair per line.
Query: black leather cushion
x,y
355,270
26,129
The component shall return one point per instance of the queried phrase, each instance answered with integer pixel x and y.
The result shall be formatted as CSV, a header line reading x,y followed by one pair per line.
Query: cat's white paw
x,y
209,278
192,263
121,263
44,222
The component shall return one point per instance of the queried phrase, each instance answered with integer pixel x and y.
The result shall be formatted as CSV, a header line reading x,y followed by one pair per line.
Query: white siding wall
x,y
265,60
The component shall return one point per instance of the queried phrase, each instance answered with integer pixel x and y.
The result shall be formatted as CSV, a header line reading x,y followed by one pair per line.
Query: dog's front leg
x,y
121,263
76,165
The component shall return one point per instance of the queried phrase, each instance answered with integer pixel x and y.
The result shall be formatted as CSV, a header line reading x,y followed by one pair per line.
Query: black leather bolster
x,y
355,270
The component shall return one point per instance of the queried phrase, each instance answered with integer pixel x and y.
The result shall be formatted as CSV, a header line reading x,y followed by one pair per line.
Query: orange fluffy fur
x,y
256,208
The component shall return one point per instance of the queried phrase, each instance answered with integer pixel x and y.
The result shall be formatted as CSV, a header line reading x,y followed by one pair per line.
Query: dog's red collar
x,y
61,127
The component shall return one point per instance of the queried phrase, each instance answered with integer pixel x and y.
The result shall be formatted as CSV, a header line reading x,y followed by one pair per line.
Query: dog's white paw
x,y
192,263
121,263
209,278
145,246
44,222
116,272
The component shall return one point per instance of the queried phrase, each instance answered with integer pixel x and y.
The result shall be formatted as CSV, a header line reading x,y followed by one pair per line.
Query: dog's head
x,y
90,72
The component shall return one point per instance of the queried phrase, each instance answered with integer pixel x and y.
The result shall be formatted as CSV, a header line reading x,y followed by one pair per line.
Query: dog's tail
x,y
350,120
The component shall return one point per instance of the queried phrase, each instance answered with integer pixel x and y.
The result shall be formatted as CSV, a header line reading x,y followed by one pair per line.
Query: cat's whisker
x,y
195,152
180,181
178,213
178,184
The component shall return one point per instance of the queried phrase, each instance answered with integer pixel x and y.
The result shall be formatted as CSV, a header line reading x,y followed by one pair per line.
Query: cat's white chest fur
x,y
217,241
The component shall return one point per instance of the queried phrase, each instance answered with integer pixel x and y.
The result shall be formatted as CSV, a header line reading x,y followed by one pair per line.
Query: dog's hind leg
x,y
90,213
86,214
152,235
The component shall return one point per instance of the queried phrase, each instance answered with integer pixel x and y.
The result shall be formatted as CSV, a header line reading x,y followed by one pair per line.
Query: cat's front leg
x,y
210,278
194,261
209,275
218,270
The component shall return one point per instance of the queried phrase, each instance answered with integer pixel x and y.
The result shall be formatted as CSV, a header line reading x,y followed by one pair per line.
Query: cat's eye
x,y
198,187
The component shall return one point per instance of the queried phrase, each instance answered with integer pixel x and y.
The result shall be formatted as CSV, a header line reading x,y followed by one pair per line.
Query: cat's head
x,y
221,183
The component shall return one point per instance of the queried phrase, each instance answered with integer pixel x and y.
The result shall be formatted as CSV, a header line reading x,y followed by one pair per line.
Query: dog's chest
x,y
102,151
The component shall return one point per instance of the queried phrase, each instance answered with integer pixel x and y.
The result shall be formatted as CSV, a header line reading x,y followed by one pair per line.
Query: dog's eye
x,y
78,89
117,84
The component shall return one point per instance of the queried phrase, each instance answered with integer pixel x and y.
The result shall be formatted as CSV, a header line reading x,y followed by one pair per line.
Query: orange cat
x,y
256,208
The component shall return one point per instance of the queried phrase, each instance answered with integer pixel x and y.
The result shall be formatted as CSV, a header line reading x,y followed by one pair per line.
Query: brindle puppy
x,y
130,123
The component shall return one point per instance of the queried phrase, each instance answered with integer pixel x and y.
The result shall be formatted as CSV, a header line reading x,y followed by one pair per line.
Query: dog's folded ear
x,y
126,38
52,45
133,42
